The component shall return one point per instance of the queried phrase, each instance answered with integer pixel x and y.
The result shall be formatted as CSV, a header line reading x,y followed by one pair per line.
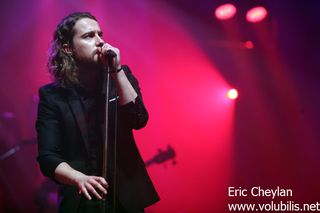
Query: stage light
x,y
225,11
256,14
249,44
232,94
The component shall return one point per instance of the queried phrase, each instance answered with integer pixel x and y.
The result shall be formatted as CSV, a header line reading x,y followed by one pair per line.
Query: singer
x,y
70,117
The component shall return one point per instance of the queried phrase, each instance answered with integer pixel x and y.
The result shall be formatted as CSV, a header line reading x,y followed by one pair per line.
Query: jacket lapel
x,y
77,110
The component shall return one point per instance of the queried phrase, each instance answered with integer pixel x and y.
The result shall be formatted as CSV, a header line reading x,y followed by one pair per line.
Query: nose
x,y
99,41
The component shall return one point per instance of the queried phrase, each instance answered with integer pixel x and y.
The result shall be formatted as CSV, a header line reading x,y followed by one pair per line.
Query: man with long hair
x,y
70,116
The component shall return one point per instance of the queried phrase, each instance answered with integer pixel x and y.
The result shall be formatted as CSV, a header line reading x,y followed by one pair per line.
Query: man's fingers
x,y
93,191
102,181
107,47
95,183
101,188
85,193
93,186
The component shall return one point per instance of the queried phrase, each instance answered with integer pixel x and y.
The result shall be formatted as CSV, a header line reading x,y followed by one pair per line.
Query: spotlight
x,y
249,44
225,11
256,14
232,94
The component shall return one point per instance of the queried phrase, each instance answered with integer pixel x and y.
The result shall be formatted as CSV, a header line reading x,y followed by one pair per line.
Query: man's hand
x,y
87,185
91,186
116,62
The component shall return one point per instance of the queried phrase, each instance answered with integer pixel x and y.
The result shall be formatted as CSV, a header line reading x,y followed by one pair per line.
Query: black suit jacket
x,y
63,137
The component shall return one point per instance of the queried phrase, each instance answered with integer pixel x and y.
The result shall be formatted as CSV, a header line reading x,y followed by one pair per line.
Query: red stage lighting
x,y
225,11
256,14
249,44
232,94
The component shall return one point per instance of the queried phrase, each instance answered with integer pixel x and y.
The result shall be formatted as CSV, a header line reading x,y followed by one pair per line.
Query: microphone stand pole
x,y
106,89
109,64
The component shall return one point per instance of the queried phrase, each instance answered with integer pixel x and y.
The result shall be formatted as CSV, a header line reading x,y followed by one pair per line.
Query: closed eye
x,y
88,35
92,34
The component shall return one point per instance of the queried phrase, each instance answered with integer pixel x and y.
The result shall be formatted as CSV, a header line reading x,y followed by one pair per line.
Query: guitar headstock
x,y
162,156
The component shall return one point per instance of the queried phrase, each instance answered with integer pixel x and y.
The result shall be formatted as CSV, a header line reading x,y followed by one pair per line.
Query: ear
x,y
67,49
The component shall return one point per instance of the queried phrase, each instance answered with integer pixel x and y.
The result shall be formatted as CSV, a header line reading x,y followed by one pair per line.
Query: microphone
x,y
108,60
109,57
110,53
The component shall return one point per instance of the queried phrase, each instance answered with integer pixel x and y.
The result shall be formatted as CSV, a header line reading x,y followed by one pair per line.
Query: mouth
x,y
98,51
100,56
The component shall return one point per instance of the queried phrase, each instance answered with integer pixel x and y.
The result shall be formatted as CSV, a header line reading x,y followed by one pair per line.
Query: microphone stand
x,y
106,125
106,90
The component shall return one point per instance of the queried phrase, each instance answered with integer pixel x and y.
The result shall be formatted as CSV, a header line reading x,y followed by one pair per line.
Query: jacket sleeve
x,y
134,113
49,135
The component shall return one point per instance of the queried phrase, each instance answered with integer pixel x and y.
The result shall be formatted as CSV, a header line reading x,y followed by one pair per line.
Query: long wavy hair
x,y
61,65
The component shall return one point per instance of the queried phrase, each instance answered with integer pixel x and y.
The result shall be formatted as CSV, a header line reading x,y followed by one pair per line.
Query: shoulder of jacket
x,y
51,89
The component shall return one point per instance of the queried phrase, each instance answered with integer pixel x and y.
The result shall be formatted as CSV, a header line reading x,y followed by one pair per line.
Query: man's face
x,y
87,41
